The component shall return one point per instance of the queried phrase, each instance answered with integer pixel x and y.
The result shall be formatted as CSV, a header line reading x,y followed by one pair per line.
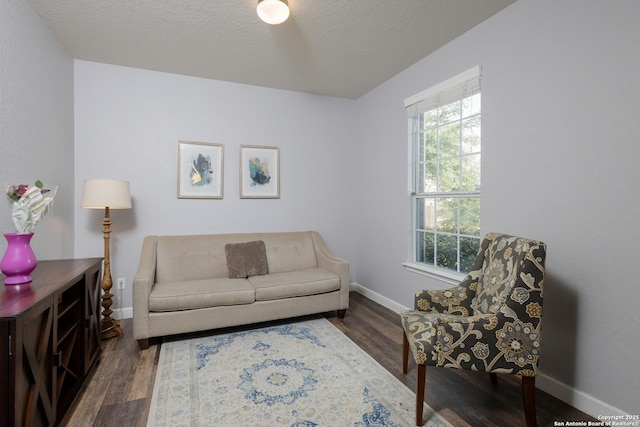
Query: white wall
x,y
36,124
560,97
128,122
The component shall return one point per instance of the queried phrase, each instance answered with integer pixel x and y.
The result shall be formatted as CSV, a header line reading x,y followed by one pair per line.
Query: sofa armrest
x,y
142,284
330,262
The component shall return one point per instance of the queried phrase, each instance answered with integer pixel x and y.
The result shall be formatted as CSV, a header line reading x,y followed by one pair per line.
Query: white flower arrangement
x,y
29,204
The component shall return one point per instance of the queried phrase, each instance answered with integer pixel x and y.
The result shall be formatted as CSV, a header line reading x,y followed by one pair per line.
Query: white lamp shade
x,y
273,12
103,193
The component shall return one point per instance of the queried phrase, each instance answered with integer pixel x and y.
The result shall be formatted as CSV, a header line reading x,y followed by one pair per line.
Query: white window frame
x,y
456,88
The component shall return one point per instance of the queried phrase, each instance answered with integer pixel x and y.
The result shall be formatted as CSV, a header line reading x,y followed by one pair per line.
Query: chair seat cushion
x,y
421,328
194,294
294,284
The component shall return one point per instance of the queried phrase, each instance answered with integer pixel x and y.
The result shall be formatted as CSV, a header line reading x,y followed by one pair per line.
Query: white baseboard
x,y
376,297
576,398
123,313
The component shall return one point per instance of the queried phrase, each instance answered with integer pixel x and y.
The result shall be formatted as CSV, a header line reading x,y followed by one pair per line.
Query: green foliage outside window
x,y
447,251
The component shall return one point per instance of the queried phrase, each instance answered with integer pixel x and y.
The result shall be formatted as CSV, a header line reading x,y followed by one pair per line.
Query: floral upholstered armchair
x,y
490,322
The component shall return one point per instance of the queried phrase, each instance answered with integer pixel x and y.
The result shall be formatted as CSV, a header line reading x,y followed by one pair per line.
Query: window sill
x,y
446,276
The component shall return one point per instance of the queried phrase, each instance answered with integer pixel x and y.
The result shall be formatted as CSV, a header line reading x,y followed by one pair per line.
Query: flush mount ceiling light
x,y
273,12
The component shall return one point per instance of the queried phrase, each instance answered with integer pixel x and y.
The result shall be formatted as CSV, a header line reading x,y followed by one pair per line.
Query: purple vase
x,y
19,260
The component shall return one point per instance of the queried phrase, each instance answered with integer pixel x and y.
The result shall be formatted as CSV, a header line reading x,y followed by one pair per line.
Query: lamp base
x,y
110,328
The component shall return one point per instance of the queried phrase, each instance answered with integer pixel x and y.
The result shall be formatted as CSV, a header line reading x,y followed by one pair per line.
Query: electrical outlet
x,y
121,283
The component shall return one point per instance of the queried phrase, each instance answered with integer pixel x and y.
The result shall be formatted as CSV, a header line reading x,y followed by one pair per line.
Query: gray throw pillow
x,y
246,259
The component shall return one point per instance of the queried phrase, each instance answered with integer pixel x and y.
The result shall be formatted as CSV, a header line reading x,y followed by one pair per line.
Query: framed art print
x,y
200,170
259,172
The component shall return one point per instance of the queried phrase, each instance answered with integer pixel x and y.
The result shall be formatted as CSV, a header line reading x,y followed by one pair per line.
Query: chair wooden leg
x,y
529,400
405,353
420,393
494,377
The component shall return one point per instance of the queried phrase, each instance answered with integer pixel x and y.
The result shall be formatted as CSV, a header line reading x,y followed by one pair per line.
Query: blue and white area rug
x,y
303,374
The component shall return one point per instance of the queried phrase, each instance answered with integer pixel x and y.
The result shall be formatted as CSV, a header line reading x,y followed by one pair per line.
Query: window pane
x,y
470,216
430,148
447,251
471,135
449,175
447,215
471,172
449,139
425,214
430,119
429,183
450,113
425,250
468,252
471,105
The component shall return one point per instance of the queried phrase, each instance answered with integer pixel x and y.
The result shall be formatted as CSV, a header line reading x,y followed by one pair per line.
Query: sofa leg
x,y
529,400
143,344
342,313
420,393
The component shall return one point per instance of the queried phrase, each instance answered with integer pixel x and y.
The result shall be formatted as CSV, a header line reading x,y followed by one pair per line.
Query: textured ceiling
x,y
339,48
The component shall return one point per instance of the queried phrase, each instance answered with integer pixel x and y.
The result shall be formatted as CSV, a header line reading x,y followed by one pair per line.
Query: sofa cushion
x,y
294,284
246,259
193,294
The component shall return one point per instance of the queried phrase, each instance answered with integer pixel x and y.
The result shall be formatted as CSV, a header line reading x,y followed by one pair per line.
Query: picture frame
x,y
200,170
259,172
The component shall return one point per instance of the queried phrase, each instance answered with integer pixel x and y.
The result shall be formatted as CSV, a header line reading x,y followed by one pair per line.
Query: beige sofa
x,y
183,284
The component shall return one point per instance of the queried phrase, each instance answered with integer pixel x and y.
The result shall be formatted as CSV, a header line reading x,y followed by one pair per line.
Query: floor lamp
x,y
106,194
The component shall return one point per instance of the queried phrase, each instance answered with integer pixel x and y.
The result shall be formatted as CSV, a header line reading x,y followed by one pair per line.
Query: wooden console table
x,y
49,341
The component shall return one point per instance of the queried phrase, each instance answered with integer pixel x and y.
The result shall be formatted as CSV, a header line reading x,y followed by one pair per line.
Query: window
x,y
445,147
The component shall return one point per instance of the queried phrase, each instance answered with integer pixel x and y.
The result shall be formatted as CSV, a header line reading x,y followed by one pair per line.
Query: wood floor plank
x,y
129,413
119,392
144,375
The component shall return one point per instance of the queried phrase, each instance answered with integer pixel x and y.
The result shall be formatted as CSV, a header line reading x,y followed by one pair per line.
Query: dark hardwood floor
x,y
119,392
